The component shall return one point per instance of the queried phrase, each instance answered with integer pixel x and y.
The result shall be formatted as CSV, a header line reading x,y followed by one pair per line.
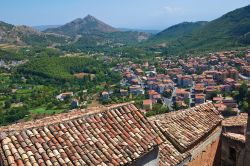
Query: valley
x,y
124,83
87,62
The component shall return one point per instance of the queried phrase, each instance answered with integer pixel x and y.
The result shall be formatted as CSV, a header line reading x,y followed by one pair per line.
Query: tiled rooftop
x,y
169,155
57,118
112,137
240,120
185,128
234,136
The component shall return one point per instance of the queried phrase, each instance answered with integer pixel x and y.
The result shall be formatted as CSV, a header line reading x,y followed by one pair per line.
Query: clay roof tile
x,y
115,136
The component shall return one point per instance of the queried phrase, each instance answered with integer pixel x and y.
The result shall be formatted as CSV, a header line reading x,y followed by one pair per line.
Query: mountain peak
x,y
90,17
86,25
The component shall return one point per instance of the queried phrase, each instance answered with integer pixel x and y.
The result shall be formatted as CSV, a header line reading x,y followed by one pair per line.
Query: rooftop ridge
x,y
235,136
175,114
186,128
63,117
240,120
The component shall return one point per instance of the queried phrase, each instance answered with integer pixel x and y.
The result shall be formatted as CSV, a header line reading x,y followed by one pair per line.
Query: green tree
x,y
7,104
243,92
244,106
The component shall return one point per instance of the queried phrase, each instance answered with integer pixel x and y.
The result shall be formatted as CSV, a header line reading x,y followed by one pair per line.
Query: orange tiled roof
x,y
169,155
240,120
185,128
153,92
113,137
200,96
235,136
229,80
217,99
181,91
147,102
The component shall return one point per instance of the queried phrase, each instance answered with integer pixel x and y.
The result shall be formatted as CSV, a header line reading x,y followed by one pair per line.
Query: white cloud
x,y
169,11
172,9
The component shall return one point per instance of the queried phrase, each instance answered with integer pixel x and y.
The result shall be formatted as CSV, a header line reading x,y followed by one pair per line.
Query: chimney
x,y
247,144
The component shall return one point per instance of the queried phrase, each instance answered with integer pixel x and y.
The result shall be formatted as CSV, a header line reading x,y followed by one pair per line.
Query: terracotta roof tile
x,y
112,137
240,120
185,128
169,155
237,137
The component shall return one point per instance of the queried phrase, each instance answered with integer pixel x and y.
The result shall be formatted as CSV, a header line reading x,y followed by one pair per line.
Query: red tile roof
x,y
169,155
234,136
181,91
113,137
217,99
200,96
147,102
152,92
185,128
240,120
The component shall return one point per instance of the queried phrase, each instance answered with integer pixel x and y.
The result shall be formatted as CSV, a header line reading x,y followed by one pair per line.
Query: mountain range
x,y
44,27
230,30
179,30
24,35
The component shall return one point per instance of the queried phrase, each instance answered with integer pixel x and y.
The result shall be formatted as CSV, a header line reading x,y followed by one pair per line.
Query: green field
x,y
45,111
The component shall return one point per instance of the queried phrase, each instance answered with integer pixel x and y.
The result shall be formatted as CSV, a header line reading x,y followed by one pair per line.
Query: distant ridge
x,y
44,27
140,30
24,35
180,30
231,30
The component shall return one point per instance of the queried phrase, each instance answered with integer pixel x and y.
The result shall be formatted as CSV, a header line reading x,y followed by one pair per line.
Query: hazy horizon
x,y
120,14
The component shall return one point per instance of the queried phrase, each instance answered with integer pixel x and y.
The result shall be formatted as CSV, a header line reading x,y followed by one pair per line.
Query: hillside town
x,y
184,83
125,83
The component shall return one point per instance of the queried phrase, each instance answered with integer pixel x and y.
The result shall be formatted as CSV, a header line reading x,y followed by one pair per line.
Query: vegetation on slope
x,y
62,69
229,31
179,30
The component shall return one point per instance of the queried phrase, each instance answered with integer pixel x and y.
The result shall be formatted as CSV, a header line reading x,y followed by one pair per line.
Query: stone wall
x,y
235,129
1,161
246,160
208,152
209,157
233,152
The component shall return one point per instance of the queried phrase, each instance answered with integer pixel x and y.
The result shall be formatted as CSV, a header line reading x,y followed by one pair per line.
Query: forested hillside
x,y
229,31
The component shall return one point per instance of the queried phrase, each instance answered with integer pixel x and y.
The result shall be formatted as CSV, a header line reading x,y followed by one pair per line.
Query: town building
x,y
154,96
105,95
233,141
64,95
74,103
199,88
184,81
136,90
199,99
123,92
182,93
148,104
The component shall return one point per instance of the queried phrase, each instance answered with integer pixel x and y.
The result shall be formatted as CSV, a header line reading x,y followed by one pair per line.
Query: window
x,y
232,154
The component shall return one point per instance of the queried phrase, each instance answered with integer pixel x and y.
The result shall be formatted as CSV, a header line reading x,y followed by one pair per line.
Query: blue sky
x,y
141,14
